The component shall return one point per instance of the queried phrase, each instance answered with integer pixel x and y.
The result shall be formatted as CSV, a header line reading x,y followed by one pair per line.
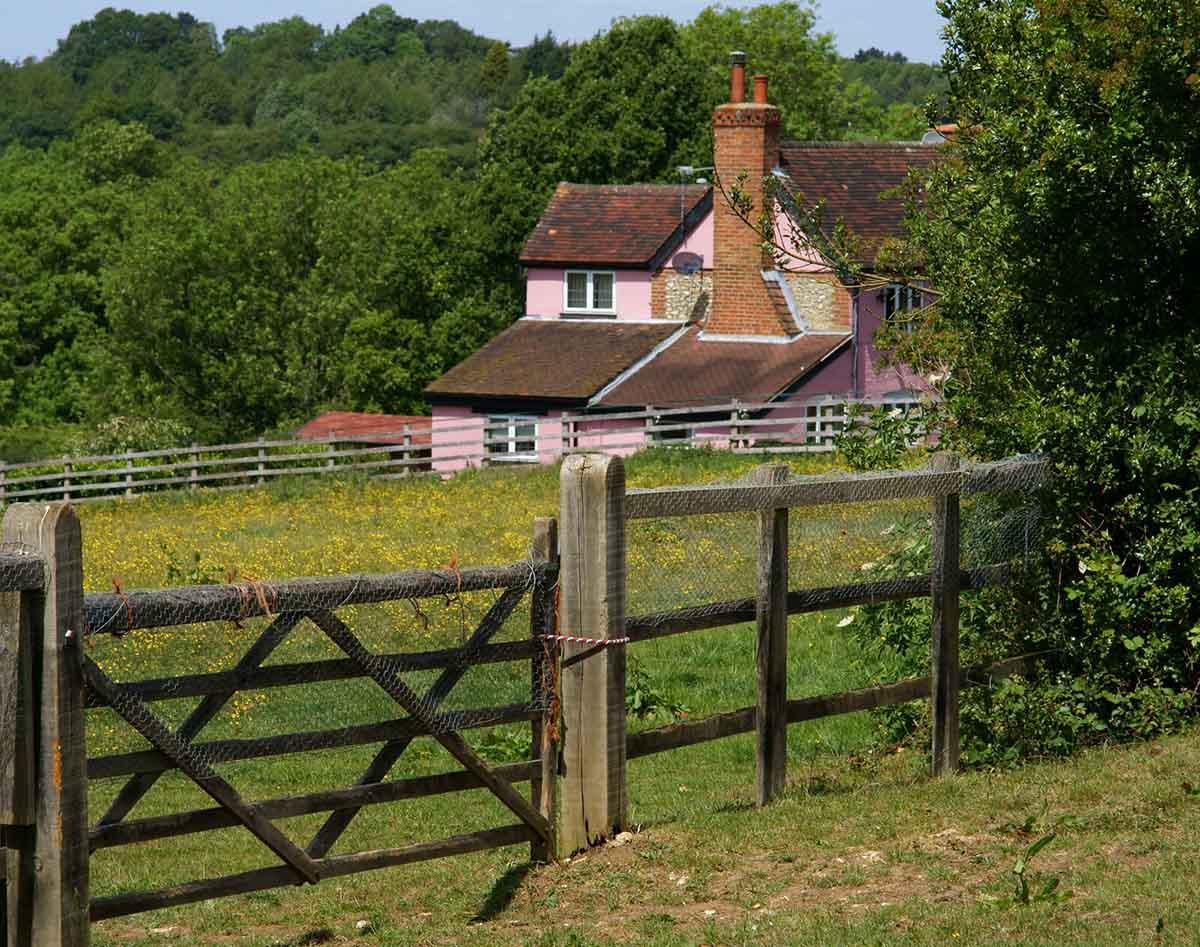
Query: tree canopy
x,y
1063,235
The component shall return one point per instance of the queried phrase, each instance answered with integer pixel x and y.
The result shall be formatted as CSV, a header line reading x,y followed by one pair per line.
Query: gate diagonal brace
x,y
138,715
401,693
388,755
137,787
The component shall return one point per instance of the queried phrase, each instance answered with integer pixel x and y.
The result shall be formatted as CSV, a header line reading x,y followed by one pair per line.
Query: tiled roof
x,y
696,371
554,359
850,178
372,428
610,224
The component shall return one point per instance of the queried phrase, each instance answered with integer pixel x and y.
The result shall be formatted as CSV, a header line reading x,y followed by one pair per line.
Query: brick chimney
x,y
745,140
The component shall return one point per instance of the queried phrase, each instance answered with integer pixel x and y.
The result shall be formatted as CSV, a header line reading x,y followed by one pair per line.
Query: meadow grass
x,y
748,876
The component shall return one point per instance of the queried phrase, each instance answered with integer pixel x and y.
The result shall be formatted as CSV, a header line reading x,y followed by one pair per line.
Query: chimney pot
x,y
760,90
737,77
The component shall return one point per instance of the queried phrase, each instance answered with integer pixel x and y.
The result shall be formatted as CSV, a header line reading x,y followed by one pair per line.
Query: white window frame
x,y
501,440
894,294
591,292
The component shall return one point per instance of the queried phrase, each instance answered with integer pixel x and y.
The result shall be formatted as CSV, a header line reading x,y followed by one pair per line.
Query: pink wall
x,y
457,438
544,293
700,240
544,285
875,378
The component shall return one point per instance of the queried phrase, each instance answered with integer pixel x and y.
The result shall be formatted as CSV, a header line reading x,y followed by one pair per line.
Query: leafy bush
x,y
126,433
878,439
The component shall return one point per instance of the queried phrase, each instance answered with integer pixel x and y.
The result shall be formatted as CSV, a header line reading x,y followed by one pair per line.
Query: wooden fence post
x,y
946,679
771,716
262,466
58,853
592,605
194,472
129,473
17,766
544,785
68,468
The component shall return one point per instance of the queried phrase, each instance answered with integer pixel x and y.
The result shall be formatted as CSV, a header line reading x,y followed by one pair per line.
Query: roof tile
x,y
615,224
560,359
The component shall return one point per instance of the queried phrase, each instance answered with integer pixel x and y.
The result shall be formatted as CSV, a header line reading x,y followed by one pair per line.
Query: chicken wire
x,y
870,540
22,569
375,658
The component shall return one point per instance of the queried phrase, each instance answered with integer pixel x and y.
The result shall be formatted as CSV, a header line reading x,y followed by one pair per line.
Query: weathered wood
x,y
264,878
17,744
57,861
944,590
183,755
676,735
391,751
543,787
108,612
133,831
20,571
592,605
332,669
689,501
200,716
152,761
742,610
771,650
340,635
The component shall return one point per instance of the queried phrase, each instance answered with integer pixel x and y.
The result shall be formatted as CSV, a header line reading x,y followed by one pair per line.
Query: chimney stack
x,y
745,141
737,77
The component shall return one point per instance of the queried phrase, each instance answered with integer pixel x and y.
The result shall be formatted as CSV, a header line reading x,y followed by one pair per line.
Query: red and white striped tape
x,y
576,639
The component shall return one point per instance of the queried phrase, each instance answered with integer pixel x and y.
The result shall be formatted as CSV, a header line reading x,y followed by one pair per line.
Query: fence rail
x,y
576,650
440,446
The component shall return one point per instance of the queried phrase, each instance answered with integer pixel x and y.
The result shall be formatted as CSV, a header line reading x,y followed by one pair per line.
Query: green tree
x,y
780,42
625,110
494,70
1063,233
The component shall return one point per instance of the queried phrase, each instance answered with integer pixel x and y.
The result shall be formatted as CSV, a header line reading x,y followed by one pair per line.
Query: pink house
x,y
650,297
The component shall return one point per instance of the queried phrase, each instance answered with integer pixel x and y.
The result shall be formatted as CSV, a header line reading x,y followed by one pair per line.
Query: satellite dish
x,y
687,263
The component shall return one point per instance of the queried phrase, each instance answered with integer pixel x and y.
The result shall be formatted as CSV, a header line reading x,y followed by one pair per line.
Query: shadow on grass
x,y
502,893
320,935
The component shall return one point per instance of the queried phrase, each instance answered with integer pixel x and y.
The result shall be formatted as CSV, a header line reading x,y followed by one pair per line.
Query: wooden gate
x,y
44,762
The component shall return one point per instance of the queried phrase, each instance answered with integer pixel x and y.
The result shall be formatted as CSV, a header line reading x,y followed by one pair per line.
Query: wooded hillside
x,y
234,232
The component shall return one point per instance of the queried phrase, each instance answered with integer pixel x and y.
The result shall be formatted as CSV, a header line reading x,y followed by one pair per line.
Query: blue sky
x,y
910,26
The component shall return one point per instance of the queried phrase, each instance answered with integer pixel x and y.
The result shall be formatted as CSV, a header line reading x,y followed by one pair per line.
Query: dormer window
x,y
589,291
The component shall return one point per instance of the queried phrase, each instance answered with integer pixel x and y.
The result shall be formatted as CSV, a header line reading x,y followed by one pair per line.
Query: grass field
x,y
863,849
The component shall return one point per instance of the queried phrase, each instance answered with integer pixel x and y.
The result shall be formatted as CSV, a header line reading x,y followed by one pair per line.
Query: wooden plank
x,y
17,743
740,611
152,761
137,787
400,692
183,755
313,672
57,865
263,878
688,733
133,831
771,649
108,612
544,671
391,751
944,590
690,501
592,605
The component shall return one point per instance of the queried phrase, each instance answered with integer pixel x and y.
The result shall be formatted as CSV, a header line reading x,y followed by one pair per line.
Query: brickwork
x,y
821,300
745,140
681,298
